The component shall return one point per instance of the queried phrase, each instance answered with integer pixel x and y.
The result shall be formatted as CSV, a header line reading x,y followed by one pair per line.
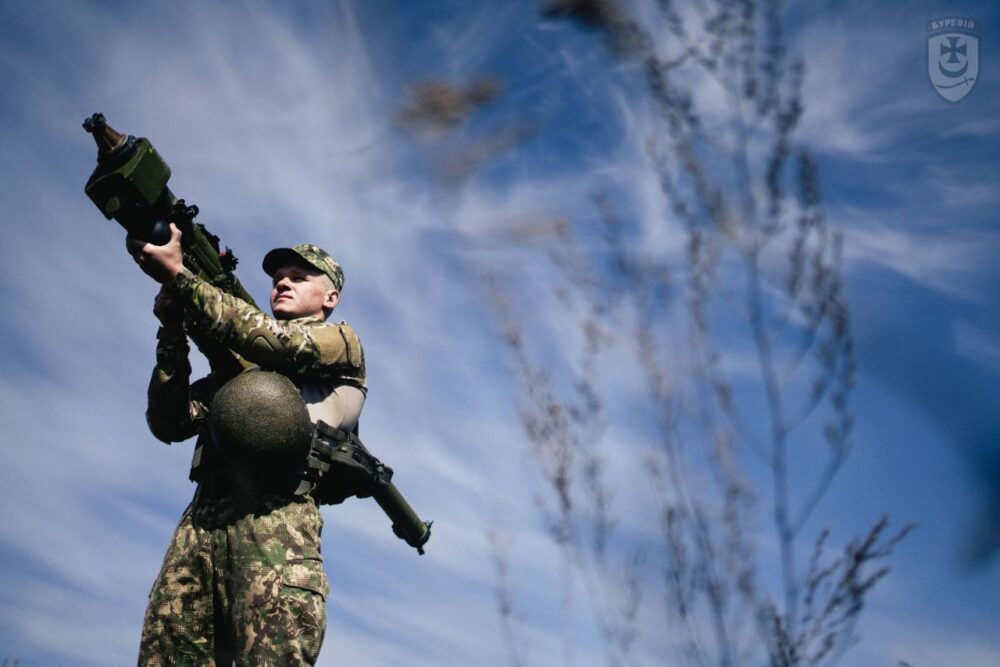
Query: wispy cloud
x,y
950,263
865,86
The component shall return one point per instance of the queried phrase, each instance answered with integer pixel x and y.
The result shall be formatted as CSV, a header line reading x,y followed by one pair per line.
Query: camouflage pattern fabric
x,y
240,581
304,348
313,255
175,408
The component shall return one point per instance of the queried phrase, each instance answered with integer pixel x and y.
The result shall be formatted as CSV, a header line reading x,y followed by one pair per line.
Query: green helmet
x,y
260,417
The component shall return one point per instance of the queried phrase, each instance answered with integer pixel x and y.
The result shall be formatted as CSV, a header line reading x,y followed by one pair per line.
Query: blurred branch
x,y
513,641
766,324
434,107
440,115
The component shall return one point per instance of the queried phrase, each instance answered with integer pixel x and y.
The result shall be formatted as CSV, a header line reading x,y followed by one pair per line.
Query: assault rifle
x,y
129,185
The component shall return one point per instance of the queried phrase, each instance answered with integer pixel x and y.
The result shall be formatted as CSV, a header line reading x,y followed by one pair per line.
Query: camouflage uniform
x,y
243,576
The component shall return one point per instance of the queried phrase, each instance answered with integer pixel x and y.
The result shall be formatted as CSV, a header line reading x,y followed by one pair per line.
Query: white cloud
x,y
949,264
852,90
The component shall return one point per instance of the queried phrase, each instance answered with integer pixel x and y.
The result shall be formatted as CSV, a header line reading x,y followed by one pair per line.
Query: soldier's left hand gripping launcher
x,y
129,185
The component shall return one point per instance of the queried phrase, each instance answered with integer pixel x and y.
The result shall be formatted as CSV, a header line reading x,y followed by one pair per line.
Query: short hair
x,y
329,283
330,287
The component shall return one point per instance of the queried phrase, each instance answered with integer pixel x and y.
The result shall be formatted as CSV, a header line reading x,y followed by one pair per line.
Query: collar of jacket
x,y
309,319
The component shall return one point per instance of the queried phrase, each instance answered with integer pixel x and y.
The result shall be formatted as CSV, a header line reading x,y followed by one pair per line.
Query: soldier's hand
x,y
159,262
167,310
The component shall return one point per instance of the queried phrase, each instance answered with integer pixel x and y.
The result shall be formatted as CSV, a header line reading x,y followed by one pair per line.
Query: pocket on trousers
x,y
306,574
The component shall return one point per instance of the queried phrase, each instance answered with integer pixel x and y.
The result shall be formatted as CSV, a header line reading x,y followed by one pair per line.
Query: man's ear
x,y
332,299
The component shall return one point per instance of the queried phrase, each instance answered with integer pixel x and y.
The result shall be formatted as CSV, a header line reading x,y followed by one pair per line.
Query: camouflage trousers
x,y
241,583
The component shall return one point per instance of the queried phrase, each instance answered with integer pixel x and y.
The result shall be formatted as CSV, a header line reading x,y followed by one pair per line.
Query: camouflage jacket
x,y
307,350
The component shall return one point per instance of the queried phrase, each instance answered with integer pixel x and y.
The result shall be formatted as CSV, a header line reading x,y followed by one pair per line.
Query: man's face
x,y
301,291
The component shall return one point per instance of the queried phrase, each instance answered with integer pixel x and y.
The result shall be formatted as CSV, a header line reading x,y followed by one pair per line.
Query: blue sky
x,y
281,124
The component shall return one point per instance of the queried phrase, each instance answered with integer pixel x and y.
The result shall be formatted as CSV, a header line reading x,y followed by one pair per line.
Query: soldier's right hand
x,y
160,262
167,310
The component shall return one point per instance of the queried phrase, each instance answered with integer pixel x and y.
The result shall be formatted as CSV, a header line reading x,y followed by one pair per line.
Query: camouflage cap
x,y
312,255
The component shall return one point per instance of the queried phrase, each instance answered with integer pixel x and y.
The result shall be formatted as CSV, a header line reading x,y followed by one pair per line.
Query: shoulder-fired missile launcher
x,y
129,185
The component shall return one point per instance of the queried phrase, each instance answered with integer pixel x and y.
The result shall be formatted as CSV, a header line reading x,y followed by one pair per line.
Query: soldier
x,y
243,576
